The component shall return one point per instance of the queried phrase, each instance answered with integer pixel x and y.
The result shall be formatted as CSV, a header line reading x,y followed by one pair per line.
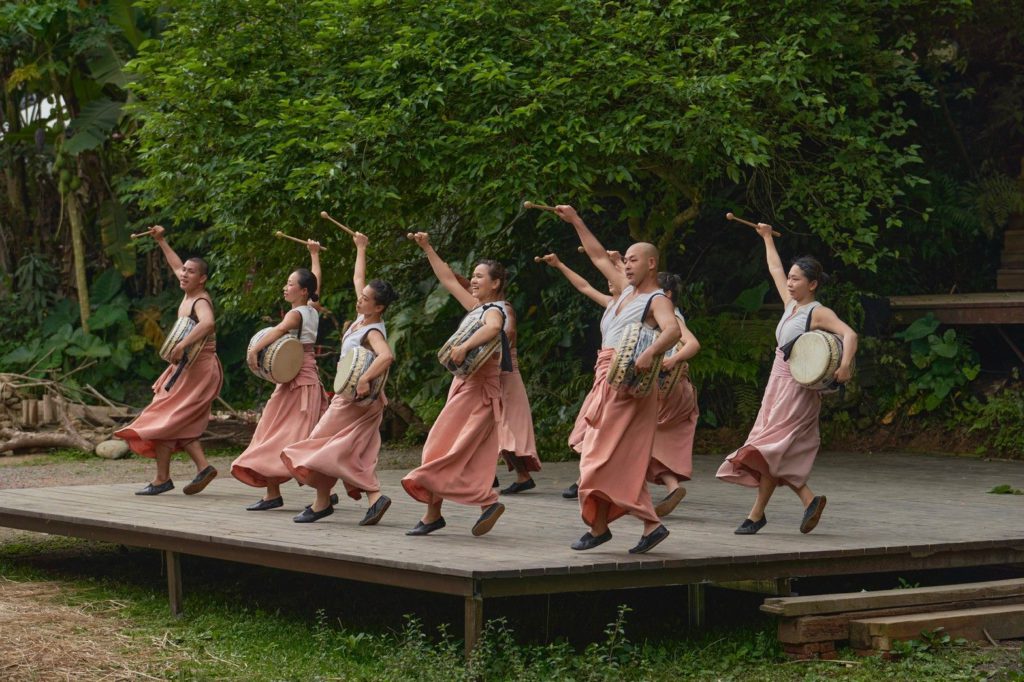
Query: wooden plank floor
x,y
885,512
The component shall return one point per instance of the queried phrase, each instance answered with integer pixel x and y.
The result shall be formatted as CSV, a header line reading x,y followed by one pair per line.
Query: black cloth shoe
x,y
309,516
264,505
151,489
588,541
517,487
812,514
650,541
201,480
572,492
427,528
334,501
749,527
488,518
495,484
376,511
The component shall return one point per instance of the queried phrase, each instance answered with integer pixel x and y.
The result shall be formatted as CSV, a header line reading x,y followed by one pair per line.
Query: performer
x,y
784,441
579,428
620,436
672,457
519,450
345,443
295,407
180,410
458,457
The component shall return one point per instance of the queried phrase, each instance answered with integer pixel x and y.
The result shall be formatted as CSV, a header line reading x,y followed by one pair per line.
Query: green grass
x,y
226,637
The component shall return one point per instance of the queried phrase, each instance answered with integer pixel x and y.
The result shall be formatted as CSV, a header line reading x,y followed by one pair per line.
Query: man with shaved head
x,y
617,447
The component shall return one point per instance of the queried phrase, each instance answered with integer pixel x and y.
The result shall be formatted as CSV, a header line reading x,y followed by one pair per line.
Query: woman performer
x,y
519,450
180,410
295,407
579,429
620,434
458,457
672,457
346,441
784,441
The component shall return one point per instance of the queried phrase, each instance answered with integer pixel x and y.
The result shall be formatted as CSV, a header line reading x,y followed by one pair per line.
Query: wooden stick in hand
x,y
281,235
732,216
543,207
147,233
327,216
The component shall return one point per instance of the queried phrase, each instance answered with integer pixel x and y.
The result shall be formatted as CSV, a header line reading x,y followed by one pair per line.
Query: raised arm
x,y
444,273
314,263
778,272
173,261
826,319
359,271
597,253
581,285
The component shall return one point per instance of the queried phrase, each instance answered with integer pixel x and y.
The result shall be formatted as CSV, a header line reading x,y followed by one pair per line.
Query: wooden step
x,y
885,599
1000,622
1010,279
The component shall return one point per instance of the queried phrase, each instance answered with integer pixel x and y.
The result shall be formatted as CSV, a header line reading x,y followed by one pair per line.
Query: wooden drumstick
x,y
542,207
142,234
327,216
281,235
538,259
580,249
732,216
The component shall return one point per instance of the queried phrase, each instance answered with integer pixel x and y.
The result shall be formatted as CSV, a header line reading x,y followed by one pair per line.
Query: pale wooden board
x,y
879,506
1001,622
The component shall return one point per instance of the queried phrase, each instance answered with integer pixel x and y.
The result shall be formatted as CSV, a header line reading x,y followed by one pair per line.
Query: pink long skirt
x,y
517,420
579,429
617,451
344,446
458,457
291,413
673,439
785,437
177,417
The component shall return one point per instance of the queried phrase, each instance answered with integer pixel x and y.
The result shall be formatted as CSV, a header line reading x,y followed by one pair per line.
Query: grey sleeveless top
x,y
793,322
354,339
631,313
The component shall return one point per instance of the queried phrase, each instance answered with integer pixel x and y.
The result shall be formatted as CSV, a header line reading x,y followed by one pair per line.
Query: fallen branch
x,y
23,440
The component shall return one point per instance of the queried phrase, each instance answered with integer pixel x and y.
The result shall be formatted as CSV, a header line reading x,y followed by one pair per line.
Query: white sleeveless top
x,y
355,334
793,322
616,323
307,331
606,317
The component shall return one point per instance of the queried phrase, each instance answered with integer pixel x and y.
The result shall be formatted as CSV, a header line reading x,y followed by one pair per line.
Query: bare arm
x,y
581,285
173,261
595,251
380,363
314,263
775,268
292,320
691,346
664,316
444,273
825,319
359,271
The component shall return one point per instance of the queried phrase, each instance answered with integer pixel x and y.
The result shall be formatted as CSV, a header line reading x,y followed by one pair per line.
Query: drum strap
x,y
506,350
788,348
647,308
192,313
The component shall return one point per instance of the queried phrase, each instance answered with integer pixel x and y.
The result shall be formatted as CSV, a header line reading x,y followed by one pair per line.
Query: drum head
x,y
282,360
813,358
350,367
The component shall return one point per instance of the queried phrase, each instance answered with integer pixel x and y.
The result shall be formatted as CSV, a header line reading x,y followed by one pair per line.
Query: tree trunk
x,y
75,218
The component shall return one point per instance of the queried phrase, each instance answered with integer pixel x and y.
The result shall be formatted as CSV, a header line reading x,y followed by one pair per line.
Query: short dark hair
x,y
307,280
669,282
812,270
204,268
383,293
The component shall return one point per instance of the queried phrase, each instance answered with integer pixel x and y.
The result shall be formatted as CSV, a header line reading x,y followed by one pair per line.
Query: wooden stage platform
x,y
885,513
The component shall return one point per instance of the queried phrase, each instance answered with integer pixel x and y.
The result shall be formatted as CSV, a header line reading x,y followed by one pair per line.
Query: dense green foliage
x,y
879,135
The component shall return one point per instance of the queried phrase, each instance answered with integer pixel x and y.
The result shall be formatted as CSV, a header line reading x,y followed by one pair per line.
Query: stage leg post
x,y
174,589
695,603
474,621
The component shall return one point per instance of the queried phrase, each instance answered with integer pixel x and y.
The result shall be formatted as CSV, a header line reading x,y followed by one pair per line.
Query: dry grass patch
x,y
42,637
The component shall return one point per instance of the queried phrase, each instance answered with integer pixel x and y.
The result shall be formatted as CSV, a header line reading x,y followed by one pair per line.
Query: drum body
x,y
622,373
351,368
182,327
667,380
475,358
815,358
279,362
